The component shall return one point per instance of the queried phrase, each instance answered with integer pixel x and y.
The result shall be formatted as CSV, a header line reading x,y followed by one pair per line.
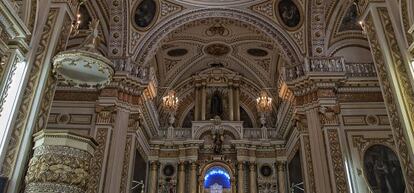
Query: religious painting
x,y
295,174
289,13
145,13
382,170
350,19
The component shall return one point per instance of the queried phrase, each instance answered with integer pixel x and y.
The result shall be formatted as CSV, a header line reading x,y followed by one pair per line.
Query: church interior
x,y
206,96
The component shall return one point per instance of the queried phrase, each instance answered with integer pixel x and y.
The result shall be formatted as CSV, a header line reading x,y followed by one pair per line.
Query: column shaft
x,y
281,176
236,104
231,103
240,176
203,102
197,104
181,178
193,178
253,182
152,188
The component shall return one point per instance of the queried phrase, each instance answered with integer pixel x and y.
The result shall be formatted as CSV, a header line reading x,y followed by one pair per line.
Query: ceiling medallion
x,y
217,49
289,13
257,52
177,52
84,67
145,14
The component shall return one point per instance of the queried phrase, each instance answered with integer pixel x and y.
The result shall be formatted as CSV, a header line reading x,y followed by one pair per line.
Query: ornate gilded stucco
x,y
391,101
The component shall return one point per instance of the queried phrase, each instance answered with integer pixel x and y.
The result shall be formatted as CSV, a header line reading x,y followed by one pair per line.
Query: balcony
x,y
329,66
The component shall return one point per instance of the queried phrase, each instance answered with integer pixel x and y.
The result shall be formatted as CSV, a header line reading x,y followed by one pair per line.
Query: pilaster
x,y
253,177
116,153
281,176
53,25
387,44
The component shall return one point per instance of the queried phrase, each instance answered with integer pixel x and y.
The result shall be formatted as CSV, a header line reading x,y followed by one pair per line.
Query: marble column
x,y
60,162
181,178
253,177
193,177
236,104
203,102
197,104
281,176
153,177
240,178
231,103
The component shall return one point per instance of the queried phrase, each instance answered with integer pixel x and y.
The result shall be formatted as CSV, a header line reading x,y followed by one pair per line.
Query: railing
x,y
360,70
330,65
248,133
179,133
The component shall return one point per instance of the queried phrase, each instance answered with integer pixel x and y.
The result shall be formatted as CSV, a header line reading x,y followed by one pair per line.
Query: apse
x,y
217,175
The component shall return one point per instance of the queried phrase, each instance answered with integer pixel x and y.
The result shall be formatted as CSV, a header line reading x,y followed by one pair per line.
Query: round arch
x,y
146,49
205,168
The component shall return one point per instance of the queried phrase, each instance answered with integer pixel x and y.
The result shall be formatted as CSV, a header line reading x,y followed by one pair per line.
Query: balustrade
x,y
248,133
330,65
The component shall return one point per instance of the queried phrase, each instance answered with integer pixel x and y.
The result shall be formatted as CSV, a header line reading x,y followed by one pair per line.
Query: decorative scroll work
x,y
59,169
337,161
309,164
97,160
391,103
125,165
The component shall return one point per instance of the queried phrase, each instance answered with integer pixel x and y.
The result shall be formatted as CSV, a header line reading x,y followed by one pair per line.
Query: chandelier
x,y
170,101
264,102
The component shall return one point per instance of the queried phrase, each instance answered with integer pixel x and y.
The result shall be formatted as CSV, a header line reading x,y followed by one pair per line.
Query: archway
x,y
145,50
217,177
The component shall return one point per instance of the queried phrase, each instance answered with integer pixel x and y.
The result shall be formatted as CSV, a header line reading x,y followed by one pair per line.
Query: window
x,y
16,76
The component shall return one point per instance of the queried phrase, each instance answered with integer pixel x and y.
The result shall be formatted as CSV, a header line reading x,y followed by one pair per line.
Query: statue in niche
x,y
218,136
216,105
218,139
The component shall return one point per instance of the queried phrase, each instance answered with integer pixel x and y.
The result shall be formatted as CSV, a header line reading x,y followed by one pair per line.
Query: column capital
x,y
154,165
281,165
181,166
240,165
252,166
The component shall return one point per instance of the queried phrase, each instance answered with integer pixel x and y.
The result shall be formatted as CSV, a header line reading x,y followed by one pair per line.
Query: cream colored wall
x,y
354,125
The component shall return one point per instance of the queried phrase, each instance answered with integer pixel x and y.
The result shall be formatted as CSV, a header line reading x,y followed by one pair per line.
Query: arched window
x,y
10,95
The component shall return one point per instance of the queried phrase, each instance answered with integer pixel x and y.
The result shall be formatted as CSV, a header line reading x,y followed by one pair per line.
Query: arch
x,y
150,42
199,132
204,169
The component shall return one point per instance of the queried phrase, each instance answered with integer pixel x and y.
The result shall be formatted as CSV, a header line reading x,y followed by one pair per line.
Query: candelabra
x,y
264,106
170,103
